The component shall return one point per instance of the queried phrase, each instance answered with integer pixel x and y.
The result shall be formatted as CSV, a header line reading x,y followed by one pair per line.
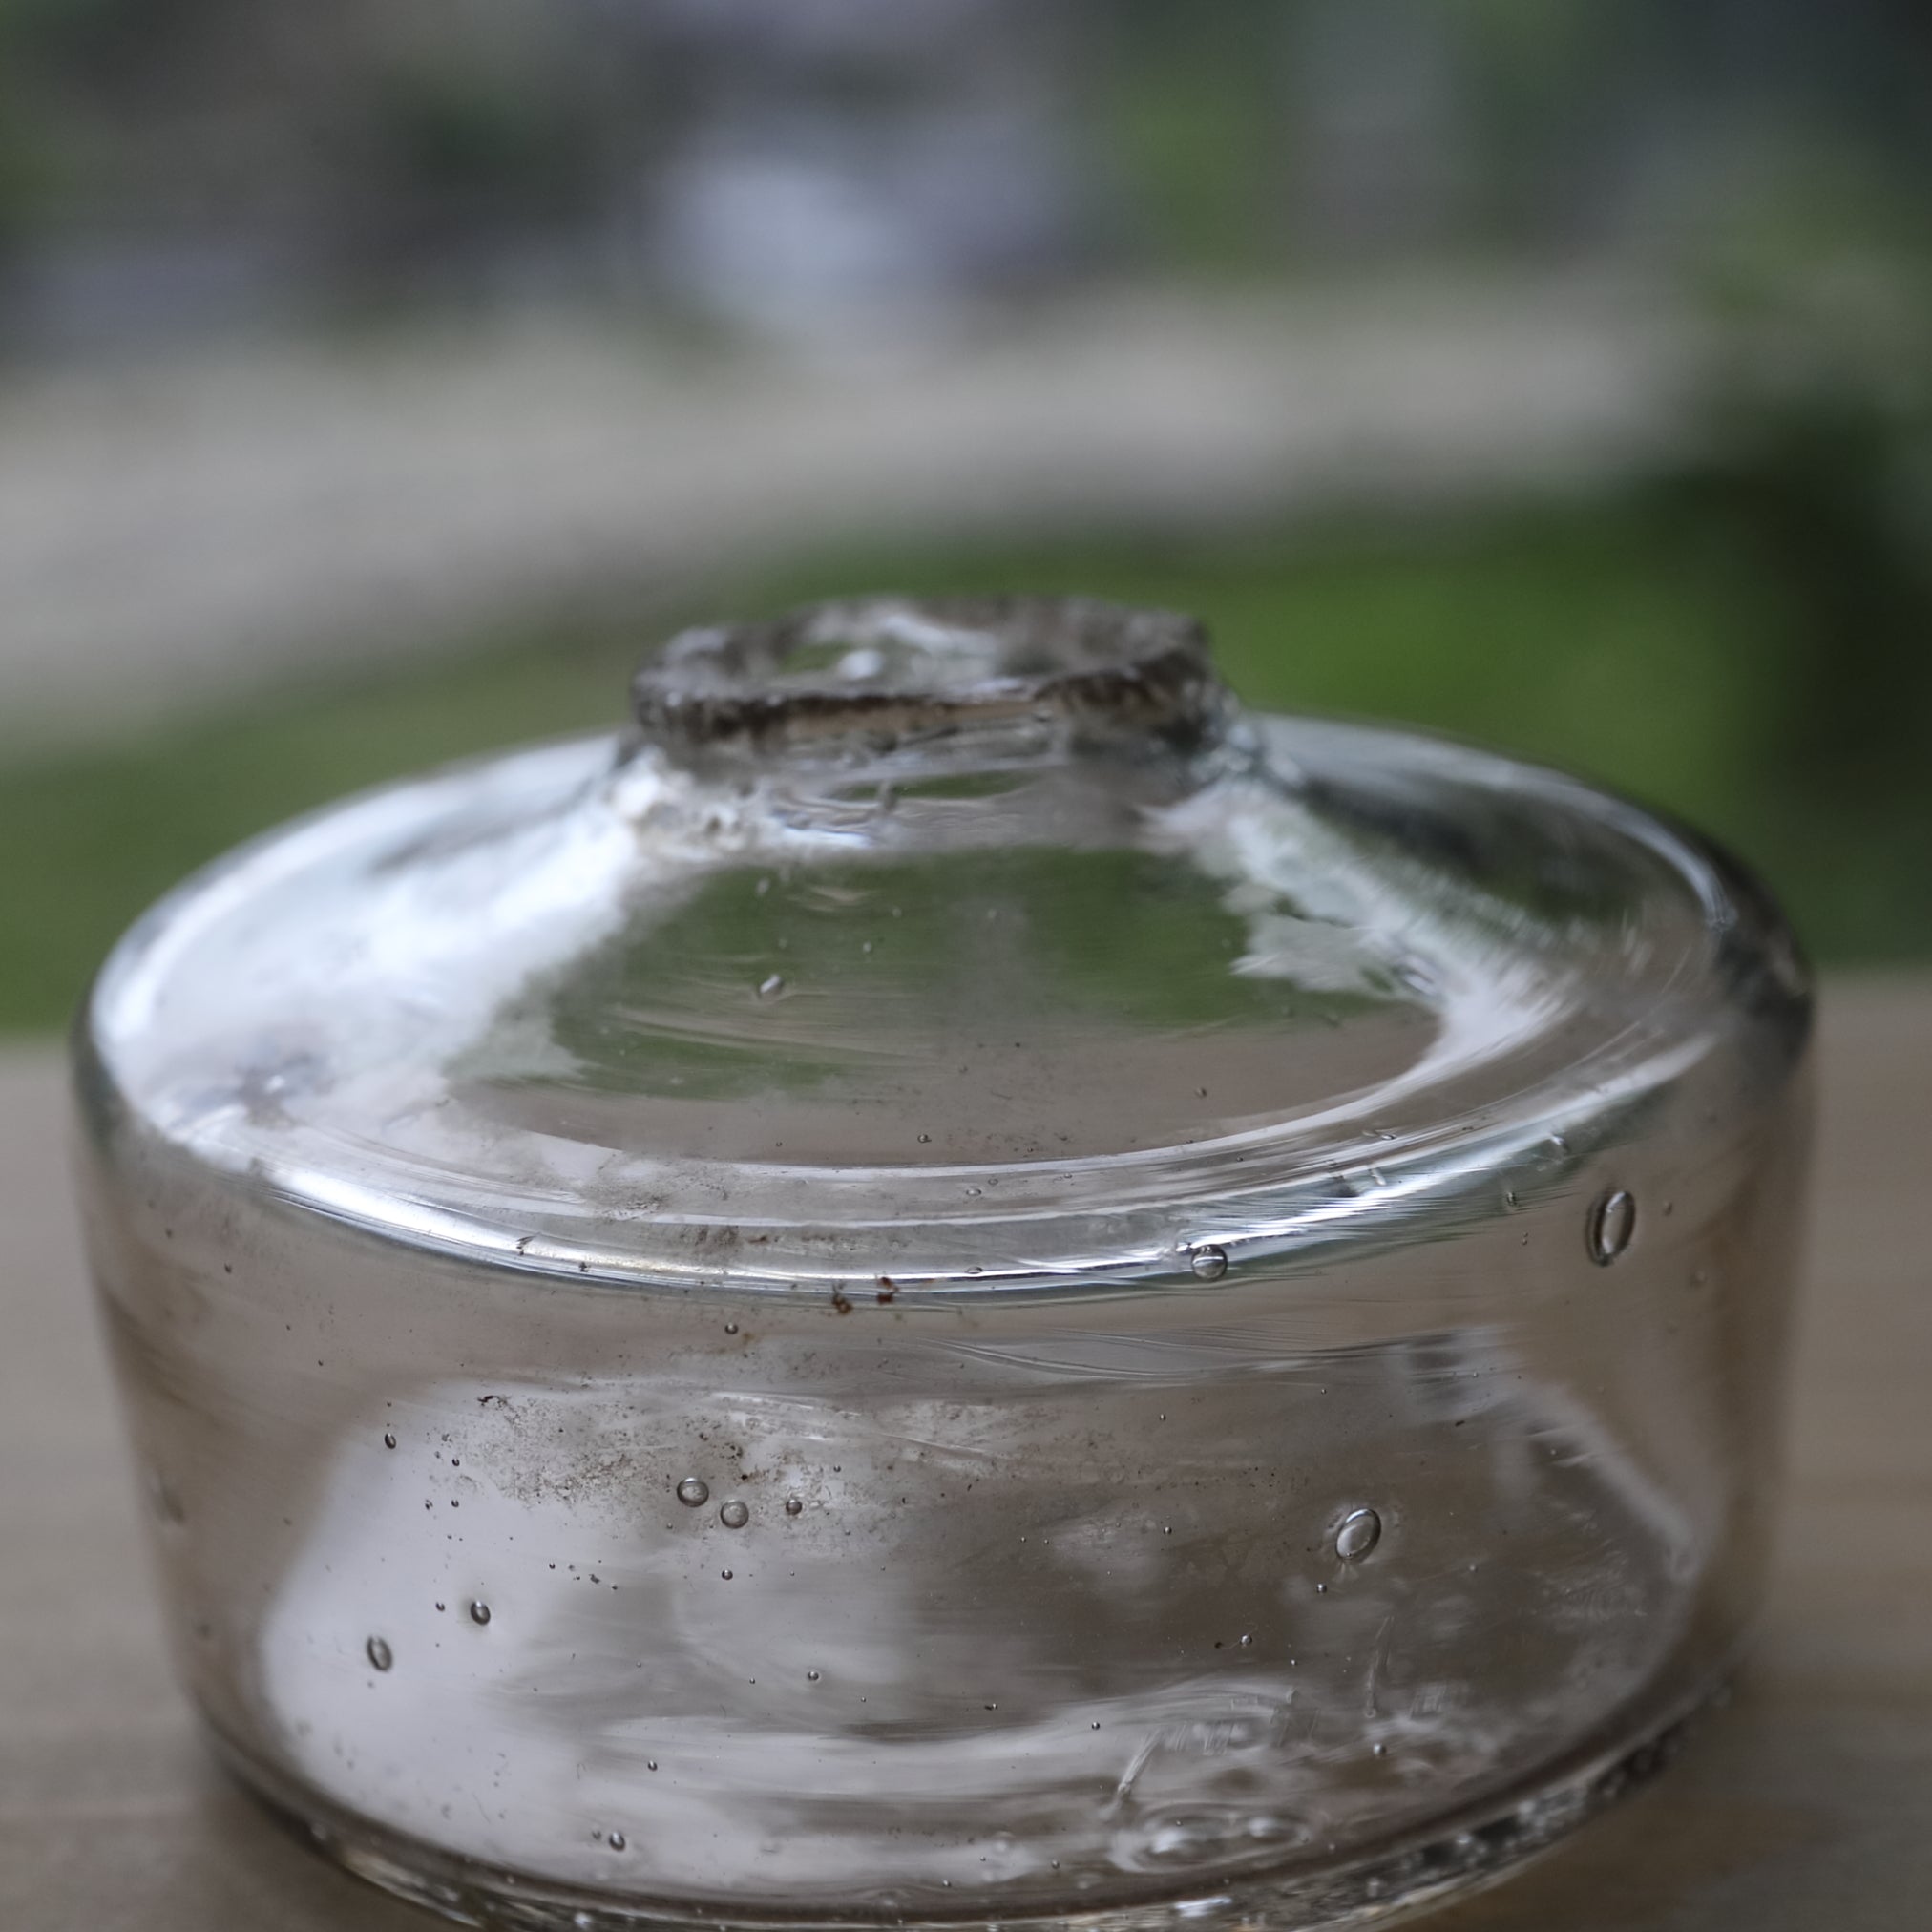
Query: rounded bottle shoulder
x,y
579,1010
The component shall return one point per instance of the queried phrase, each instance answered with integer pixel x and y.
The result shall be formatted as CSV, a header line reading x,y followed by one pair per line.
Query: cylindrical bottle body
x,y
874,1600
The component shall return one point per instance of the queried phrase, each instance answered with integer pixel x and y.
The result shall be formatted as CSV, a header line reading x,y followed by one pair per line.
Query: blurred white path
x,y
171,527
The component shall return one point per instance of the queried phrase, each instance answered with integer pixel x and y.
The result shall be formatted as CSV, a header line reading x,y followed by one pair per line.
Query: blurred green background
x,y
1737,626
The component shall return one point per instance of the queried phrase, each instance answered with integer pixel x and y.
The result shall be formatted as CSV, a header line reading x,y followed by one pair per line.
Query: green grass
x,y
1627,641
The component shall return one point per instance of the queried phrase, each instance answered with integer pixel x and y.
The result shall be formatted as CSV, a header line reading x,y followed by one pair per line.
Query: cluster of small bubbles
x,y
734,1515
1612,1221
480,1611
1208,1261
693,1492
771,986
379,1652
389,1439
793,1506
1361,1529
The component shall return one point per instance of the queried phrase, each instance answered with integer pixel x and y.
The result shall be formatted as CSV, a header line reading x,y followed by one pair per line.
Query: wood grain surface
x,y
1805,1806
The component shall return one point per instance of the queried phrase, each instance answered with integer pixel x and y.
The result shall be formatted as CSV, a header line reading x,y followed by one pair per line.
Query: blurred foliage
x,y
1188,121
477,134
351,133
1241,134
1819,477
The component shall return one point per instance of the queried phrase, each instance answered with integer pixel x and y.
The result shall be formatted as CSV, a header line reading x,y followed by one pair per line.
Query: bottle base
x,y
1468,1852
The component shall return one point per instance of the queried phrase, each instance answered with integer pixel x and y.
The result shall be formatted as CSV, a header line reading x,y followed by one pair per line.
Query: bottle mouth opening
x,y
1011,676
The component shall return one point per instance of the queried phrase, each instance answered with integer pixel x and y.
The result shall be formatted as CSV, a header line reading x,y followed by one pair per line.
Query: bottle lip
x,y
1000,676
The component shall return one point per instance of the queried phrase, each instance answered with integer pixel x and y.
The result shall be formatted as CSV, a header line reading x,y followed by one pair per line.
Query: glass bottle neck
x,y
947,682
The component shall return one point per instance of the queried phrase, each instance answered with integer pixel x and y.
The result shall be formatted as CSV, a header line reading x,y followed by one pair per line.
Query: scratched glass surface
x,y
1043,1297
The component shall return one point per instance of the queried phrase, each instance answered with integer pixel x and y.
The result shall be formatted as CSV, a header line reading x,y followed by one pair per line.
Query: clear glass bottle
x,y
954,1280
